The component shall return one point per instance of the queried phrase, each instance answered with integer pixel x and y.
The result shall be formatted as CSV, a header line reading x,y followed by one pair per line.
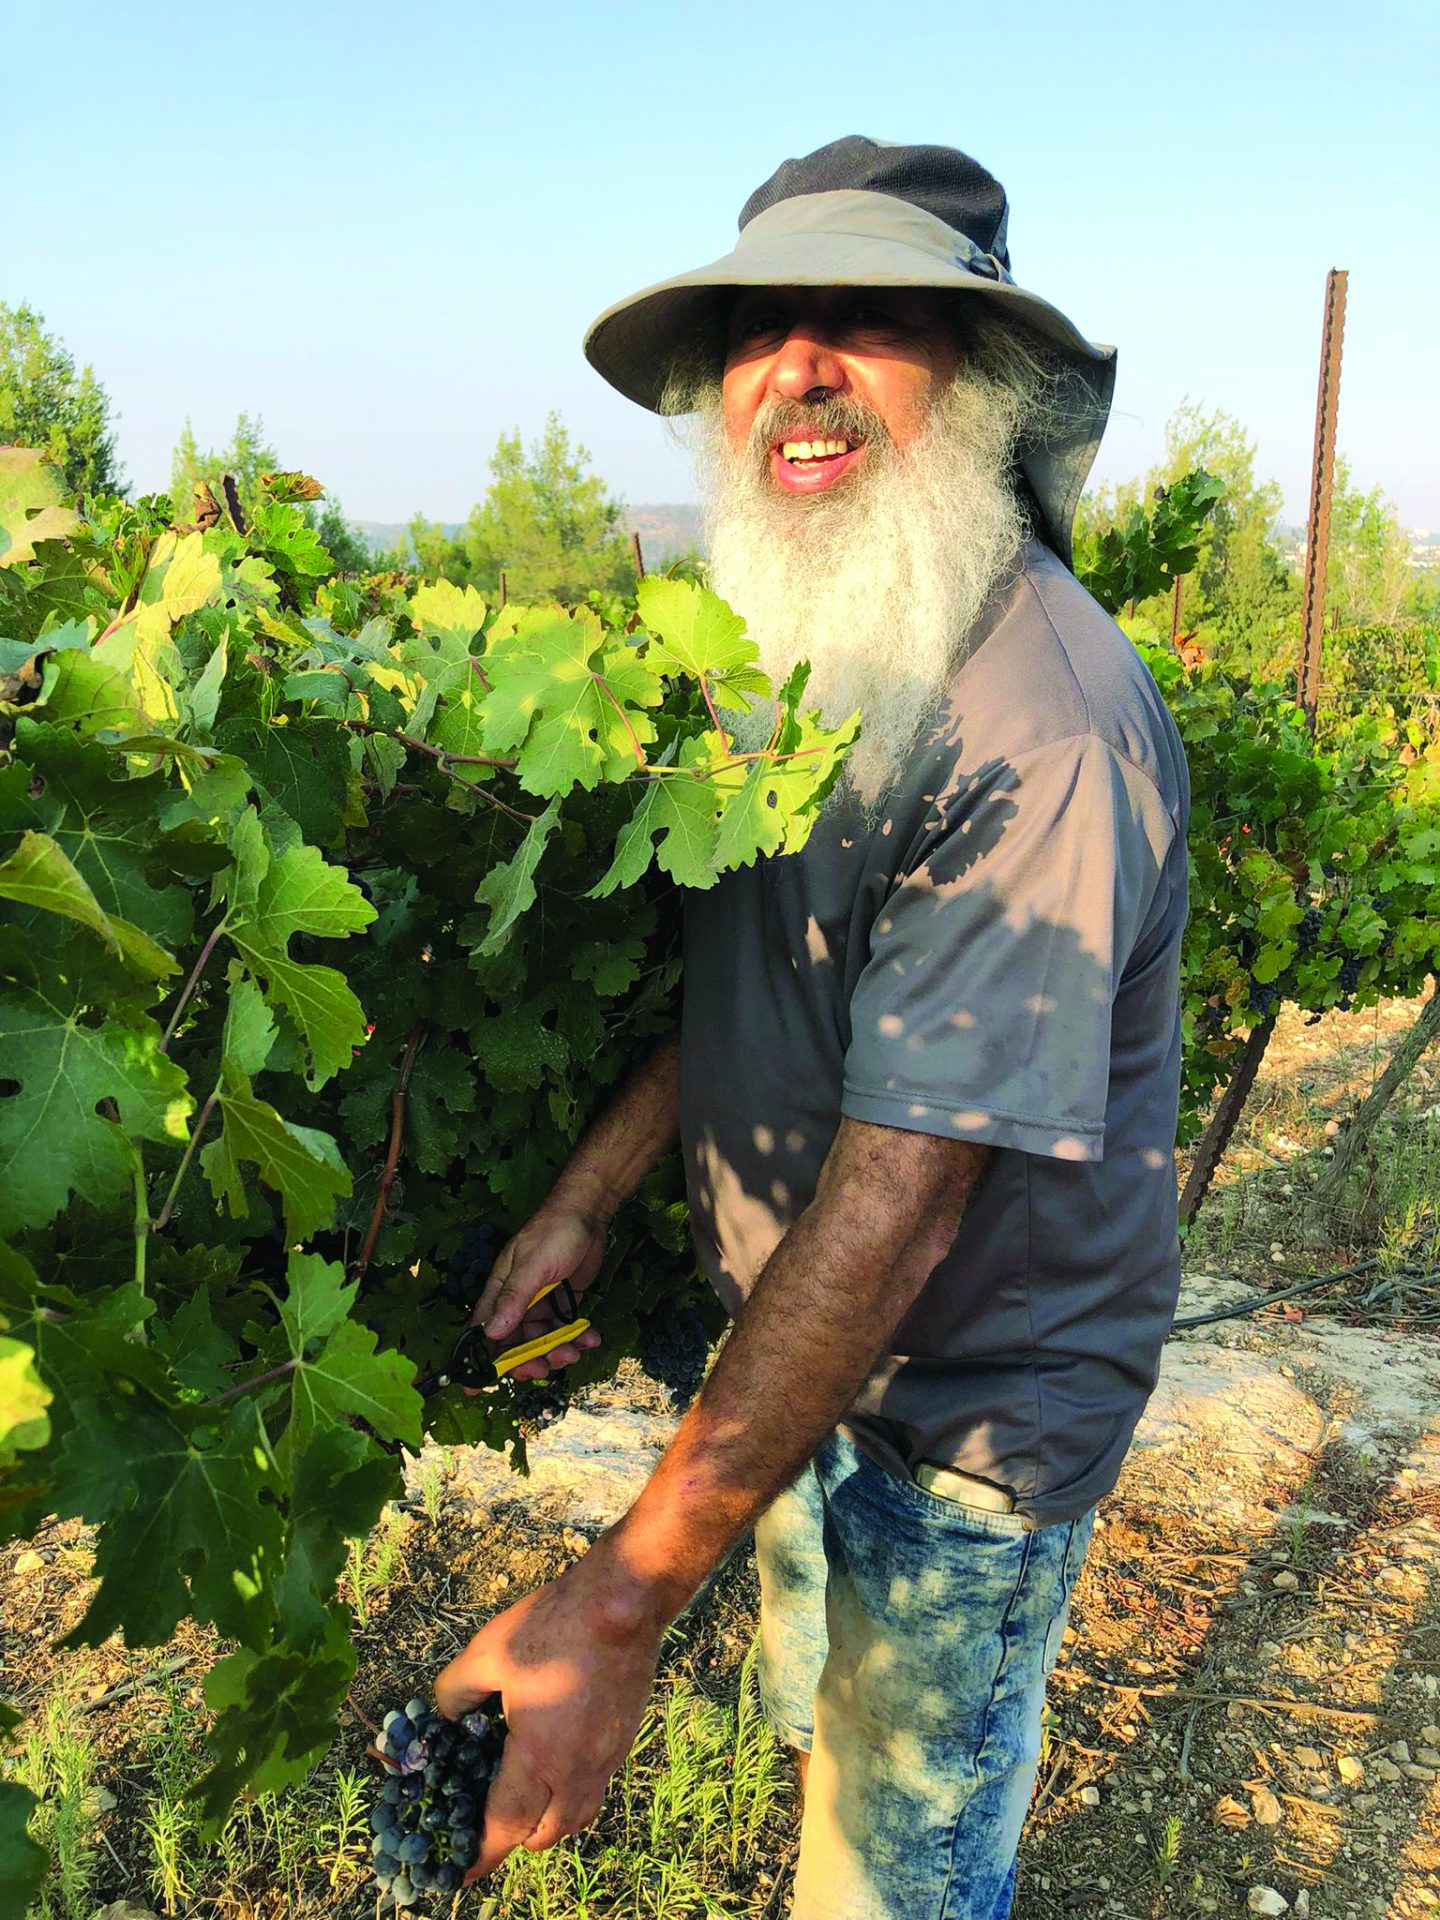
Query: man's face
x,y
875,356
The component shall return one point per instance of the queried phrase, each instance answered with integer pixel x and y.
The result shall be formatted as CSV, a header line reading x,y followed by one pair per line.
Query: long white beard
x,y
877,583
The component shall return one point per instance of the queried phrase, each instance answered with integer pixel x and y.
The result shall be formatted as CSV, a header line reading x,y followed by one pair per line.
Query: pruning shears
x,y
472,1364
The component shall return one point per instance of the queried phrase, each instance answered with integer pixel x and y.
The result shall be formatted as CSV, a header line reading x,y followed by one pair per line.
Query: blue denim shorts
x,y
905,1641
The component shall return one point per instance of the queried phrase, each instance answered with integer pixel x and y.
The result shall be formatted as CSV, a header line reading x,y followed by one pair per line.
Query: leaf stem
x,y
142,1216
447,763
714,717
194,980
392,1157
260,1380
202,1120
605,688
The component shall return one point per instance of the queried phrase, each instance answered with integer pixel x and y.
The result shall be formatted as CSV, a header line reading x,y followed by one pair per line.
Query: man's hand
x,y
560,1242
573,1670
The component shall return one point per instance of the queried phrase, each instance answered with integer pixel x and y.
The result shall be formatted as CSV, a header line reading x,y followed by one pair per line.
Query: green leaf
x,y
677,823
189,1522
509,889
287,1158
31,491
318,1298
552,697
341,1482
22,1862
301,766
695,633
204,697
318,1000
302,892
276,1715
348,1379
249,1027
53,1138
40,874
455,613
24,1400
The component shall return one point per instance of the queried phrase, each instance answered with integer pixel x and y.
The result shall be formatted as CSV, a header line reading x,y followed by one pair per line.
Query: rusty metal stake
x,y
502,586
1317,538
1175,611
1226,1116
637,555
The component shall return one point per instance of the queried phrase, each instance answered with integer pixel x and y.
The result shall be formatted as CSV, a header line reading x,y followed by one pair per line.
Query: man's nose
x,y
806,364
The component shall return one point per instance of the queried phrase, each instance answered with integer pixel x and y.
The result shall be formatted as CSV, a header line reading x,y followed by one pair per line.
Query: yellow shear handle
x,y
542,1344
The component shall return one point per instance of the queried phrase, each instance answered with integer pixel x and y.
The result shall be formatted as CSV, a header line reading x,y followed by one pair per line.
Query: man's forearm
x,y
886,1210
627,1137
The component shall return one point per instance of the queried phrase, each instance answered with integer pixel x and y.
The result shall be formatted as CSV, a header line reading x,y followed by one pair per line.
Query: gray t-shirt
x,y
998,961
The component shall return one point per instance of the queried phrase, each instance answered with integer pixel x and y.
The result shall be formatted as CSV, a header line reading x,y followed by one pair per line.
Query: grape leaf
x,y
24,1398
199,1353
22,1862
318,1000
287,1158
104,825
40,874
348,1379
694,632
551,697
677,823
276,1715
340,1482
190,1523
302,766
455,613
53,1141
509,888
32,489
301,892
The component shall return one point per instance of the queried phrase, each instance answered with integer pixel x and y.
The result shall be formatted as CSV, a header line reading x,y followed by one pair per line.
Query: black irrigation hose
x,y
1255,1301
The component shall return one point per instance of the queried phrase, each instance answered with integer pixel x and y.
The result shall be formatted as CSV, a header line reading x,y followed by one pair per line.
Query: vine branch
x,y
194,980
398,1100
201,1122
260,1380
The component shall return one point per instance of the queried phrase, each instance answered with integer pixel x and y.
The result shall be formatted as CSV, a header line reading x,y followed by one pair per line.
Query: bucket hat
x,y
868,213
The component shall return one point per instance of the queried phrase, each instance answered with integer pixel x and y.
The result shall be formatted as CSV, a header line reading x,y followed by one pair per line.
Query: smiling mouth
x,y
807,454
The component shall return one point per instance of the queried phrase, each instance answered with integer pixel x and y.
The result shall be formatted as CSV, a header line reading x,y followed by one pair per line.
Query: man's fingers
x,y
515,1808
462,1686
494,1286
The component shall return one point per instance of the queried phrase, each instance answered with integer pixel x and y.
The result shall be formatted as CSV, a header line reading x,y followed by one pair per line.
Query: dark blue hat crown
x,y
940,180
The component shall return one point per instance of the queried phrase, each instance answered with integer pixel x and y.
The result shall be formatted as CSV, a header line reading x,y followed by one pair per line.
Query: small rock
x,y
1399,1751
1286,1582
1307,1757
502,1579
1413,1772
100,1800
1301,1906
1430,1736
1350,1770
1387,1770
1428,1756
1235,1711
30,1561
1090,1796
1266,1809
1265,1900
1365,1802
1332,1127
124,1910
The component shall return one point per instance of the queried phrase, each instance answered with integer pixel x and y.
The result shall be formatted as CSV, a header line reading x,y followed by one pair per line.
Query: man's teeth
x,y
813,449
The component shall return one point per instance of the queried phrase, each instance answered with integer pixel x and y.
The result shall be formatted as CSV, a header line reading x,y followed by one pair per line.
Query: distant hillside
x,y
664,530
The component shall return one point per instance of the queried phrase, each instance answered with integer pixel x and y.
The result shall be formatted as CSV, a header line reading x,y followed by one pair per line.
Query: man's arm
x,y
575,1661
565,1238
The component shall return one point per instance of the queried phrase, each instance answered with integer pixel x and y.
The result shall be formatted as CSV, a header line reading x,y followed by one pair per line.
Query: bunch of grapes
x,y
469,1268
1263,997
1307,934
540,1403
1349,980
432,1806
674,1350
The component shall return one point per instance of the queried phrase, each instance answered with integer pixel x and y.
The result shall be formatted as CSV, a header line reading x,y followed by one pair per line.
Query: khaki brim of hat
x,y
856,238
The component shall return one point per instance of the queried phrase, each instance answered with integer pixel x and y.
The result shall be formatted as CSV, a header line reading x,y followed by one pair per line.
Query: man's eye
x,y
757,325
875,318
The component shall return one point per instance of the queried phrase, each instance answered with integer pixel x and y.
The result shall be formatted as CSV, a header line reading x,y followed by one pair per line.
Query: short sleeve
x,y
984,1009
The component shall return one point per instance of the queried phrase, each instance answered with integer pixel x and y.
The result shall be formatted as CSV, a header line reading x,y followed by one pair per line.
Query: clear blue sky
x,y
385,228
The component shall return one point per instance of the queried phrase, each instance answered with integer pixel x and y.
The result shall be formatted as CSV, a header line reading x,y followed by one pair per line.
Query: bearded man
x,y
927,1073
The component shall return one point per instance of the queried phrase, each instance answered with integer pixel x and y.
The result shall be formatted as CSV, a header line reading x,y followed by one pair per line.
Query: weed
x,y
57,1763
374,1562
1167,1850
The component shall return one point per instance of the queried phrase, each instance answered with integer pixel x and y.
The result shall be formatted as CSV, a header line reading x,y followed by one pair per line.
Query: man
x,y
927,1074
